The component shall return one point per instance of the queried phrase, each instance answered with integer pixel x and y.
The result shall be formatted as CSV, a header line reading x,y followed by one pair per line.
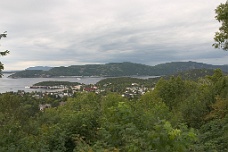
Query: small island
x,y
50,85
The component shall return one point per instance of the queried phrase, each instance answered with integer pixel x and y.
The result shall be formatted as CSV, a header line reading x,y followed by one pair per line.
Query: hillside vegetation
x,y
177,116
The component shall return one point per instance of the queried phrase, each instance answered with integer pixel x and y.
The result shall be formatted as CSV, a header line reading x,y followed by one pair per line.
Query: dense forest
x,y
177,115
118,69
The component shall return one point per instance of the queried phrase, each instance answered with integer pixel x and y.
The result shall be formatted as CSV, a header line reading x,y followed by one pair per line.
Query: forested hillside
x,y
118,69
178,115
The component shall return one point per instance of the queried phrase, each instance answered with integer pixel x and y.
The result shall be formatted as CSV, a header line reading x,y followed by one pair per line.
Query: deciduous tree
x,y
221,37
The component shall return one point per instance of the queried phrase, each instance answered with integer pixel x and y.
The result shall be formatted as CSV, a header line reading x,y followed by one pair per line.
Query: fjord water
x,y
9,84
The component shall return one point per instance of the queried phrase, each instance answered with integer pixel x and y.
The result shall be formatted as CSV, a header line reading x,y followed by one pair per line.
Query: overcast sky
x,y
72,32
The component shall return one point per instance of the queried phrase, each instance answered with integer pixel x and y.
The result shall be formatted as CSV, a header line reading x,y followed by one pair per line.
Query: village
x,y
59,93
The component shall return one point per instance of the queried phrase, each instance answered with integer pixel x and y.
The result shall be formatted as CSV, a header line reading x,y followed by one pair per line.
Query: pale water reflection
x,y
9,84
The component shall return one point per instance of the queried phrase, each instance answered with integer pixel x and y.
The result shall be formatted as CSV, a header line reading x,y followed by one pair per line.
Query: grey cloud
x,y
59,32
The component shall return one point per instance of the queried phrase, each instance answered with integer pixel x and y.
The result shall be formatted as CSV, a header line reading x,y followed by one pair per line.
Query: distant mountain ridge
x,y
118,69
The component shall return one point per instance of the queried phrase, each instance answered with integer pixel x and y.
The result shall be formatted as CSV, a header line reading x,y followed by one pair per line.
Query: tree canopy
x,y
221,37
178,115
2,53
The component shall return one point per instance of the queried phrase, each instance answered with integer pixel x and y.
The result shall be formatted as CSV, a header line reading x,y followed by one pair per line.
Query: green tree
x,y
214,136
3,53
221,37
216,76
171,91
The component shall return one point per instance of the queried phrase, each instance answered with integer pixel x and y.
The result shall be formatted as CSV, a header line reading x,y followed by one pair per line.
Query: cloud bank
x,y
56,33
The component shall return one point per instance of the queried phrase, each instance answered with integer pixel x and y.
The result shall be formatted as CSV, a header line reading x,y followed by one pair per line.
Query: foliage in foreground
x,y
179,115
221,37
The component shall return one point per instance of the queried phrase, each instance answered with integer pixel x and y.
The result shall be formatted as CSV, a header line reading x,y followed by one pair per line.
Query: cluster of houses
x,y
130,92
44,106
134,90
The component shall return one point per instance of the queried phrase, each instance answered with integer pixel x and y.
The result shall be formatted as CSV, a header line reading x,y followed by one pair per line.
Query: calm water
x,y
9,84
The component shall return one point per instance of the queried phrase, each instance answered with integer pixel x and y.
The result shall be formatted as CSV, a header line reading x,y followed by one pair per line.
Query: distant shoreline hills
x,y
114,70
